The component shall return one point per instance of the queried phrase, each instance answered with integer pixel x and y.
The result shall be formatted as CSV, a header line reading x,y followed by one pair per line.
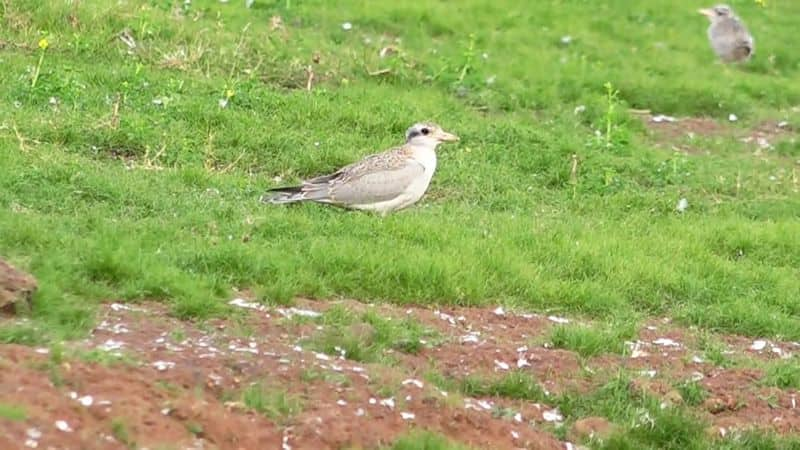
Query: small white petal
x,y
62,425
557,319
86,400
416,383
33,433
552,415
666,342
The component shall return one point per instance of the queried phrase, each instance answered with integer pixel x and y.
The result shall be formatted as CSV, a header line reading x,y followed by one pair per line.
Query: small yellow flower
x,y
43,43
229,93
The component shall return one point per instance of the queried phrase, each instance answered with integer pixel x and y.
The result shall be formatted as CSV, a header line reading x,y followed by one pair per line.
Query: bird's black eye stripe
x,y
425,131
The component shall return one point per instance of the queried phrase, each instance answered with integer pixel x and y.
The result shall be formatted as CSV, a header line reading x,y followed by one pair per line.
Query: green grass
x,y
783,374
119,429
592,340
133,183
646,425
517,385
424,440
368,337
692,392
12,412
715,351
757,441
642,422
274,403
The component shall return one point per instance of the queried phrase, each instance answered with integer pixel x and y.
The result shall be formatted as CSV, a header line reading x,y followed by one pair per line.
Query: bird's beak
x,y
447,137
707,12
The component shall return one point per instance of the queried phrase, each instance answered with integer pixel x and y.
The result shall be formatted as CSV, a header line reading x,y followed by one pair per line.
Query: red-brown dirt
x,y
178,382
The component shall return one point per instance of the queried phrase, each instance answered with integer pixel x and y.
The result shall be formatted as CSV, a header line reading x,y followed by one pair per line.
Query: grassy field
x,y
137,136
122,176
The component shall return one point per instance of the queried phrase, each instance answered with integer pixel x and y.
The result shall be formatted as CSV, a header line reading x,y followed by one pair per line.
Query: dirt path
x,y
145,380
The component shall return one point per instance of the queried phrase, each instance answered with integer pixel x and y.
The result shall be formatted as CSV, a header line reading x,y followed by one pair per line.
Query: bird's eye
x,y
425,131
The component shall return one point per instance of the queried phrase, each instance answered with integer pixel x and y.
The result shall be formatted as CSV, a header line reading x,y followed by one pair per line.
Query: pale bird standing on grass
x,y
382,182
728,36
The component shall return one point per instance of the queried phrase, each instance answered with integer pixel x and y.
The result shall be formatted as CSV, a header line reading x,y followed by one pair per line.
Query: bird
x,y
382,182
729,37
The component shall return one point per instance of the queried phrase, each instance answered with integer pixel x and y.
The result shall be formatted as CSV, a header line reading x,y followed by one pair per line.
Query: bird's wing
x,y
376,178
731,37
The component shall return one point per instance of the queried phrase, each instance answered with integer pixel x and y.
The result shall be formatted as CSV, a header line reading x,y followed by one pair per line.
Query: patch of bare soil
x,y
180,383
678,133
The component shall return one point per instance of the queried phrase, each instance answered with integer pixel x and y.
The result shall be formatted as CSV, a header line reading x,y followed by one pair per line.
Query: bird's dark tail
x,y
284,195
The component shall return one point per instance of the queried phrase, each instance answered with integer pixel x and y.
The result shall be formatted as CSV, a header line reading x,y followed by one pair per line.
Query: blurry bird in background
x,y
728,36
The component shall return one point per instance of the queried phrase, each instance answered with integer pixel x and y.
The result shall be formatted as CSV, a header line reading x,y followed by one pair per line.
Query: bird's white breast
x,y
426,157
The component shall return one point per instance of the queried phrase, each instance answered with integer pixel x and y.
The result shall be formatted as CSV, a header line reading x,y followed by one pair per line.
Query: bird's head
x,y
428,134
718,12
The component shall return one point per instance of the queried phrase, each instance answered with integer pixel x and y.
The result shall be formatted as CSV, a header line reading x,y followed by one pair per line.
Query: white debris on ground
x,y
663,118
110,345
242,303
62,425
559,320
416,383
682,205
448,318
117,328
636,349
86,400
552,415
472,337
163,365
477,405
666,342
32,437
285,441
291,312
760,345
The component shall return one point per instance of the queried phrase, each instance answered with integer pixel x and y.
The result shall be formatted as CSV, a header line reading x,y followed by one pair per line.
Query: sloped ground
x,y
145,380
